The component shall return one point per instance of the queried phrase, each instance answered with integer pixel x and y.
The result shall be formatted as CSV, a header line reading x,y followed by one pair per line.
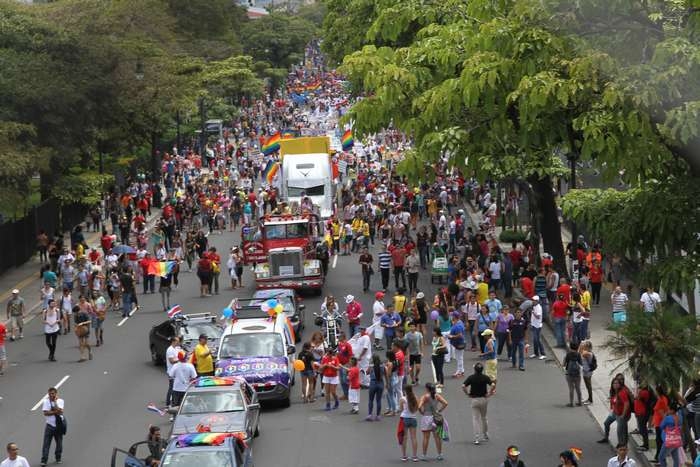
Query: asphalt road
x,y
106,398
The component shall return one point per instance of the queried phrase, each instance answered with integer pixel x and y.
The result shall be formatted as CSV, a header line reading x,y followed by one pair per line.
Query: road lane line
x,y
41,401
335,260
127,317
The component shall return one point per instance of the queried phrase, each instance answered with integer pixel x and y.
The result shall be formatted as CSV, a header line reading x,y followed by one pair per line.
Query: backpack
x,y
593,365
573,368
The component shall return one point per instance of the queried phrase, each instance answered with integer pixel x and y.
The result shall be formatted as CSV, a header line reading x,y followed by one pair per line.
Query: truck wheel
x,y
285,402
154,356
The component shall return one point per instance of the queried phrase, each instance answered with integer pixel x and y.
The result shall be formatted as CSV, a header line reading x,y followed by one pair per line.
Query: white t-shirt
x,y
19,462
650,301
406,413
52,321
536,316
495,270
377,310
170,353
47,405
182,374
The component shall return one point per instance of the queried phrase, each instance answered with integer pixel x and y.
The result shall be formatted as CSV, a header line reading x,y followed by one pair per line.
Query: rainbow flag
x,y
313,86
161,268
271,170
272,144
206,439
288,135
347,140
208,381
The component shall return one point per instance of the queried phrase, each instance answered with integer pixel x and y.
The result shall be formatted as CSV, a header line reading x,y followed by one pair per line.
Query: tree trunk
x,y
546,214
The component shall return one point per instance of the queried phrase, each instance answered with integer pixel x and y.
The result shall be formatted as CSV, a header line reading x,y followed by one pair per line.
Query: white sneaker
x,y
476,441
533,356
542,357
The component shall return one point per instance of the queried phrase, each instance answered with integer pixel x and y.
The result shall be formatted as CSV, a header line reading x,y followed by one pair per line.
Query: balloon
x,y
271,312
434,315
299,365
272,303
264,307
228,312
279,308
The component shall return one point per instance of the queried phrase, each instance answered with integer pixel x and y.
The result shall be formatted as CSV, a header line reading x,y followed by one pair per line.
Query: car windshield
x,y
296,192
200,458
285,300
194,330
212,402
254,344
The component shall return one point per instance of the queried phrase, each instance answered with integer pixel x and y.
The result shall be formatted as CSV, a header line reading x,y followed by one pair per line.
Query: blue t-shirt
x,y
483,322
389,320
669,422
50,277
491,355
457,329
494,306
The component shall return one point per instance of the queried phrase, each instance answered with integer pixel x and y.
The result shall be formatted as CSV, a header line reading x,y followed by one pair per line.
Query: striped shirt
x,y
384,260
619,301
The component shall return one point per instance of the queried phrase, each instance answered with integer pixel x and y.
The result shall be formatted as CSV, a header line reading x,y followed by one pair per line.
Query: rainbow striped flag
x,y
288,135
161,268
271,170
347,140
272,144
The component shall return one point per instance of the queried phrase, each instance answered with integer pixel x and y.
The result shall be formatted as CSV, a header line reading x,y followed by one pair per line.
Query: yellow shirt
x,y
482,293
204,364
356,225
336,230
400,304
586,300
365,229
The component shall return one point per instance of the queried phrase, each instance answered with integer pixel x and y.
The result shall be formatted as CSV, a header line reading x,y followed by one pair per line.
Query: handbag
x,y
673,439
82,330
438,418
61,424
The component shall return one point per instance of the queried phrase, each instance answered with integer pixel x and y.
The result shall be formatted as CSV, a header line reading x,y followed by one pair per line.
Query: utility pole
x,y
203,135
177,125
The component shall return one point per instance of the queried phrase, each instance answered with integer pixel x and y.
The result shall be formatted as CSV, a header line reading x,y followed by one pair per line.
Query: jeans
x,y
50,433
675,455
169,394
365,280
399,273
215,283
389,338
502,338
385,277
149,283
480,424
537,346
127,301
51,343
574,383
642,421
375,394
412,281
459,356
165,297
579,332
354,328
438,364
423,256
609,420
595,292
392,391
471,327
343,373
621,428
518,348
560,331
507,286
589,387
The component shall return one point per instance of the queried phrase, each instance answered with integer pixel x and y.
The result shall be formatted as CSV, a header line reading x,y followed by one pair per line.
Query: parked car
x,y
188,328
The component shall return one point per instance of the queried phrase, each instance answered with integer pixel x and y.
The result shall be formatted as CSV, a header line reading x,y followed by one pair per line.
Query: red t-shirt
x,y
398,257
344,352
595,274
106,242
565,290
400,359
3,332
328,371
527,286
354,377
515,257
619,402
559,309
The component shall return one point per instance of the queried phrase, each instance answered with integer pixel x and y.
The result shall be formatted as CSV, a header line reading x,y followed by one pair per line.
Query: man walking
x,y
366,261
55,426
182,373
536,328
15,314
621,459
619,300
171,359
398,260
353,310
13,459
412,267
384,258
479,388
458,342
517,333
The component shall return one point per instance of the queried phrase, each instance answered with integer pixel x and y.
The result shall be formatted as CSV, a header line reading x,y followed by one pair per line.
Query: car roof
x,y
207,440
209,383
251,325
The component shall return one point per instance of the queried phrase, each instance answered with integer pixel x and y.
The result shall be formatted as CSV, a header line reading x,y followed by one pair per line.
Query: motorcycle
x,y
331,328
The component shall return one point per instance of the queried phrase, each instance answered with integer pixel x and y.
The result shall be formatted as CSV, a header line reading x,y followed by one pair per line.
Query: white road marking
x,y
126,317
41,401
335,260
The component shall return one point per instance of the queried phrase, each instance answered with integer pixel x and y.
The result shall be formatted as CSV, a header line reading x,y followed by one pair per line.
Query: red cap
x,y
379,295
181,356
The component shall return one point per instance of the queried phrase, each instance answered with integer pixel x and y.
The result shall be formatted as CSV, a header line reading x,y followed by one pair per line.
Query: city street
x,y
106,398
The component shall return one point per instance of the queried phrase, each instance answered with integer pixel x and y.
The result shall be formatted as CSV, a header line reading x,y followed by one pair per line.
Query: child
x,y
354,383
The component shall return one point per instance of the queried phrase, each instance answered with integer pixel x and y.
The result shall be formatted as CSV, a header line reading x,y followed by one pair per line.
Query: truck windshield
x,y
296,192
282,231
297,230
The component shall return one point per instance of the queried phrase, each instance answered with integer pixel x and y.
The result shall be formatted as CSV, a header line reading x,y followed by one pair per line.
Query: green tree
x,y
278,38
658,348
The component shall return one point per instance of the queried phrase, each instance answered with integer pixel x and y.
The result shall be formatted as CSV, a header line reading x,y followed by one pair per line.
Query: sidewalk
x,y
607,367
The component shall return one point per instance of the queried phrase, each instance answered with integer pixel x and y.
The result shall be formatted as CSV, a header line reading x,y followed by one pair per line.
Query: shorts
x,y
97,323
354,396
330,380
308,373
427,423
491,368
409,422
3,353
16,322
414,359
204,277
348,239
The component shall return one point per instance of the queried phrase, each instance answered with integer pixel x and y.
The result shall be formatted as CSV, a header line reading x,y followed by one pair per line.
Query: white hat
x,y
349,299
464,284
420,295
536,297
15,291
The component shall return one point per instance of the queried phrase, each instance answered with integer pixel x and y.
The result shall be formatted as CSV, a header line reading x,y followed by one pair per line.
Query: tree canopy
x,y
510,88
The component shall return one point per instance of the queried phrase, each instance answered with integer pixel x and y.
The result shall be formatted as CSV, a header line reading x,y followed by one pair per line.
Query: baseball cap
x,y
513,450
487,332
379,295
349,299
181,356
536,297
420,295
15,291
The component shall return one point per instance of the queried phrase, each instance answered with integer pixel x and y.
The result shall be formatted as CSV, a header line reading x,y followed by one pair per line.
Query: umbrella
x,y
121,249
